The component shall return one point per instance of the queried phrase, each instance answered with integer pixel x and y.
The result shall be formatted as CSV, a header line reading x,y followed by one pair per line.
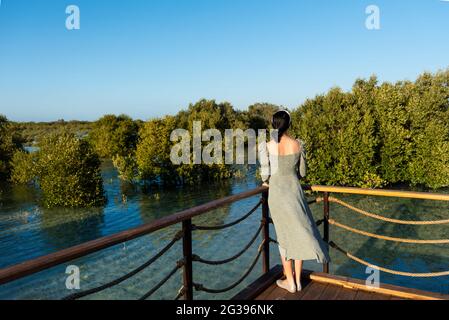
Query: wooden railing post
x,y
266,232
187,253
326,227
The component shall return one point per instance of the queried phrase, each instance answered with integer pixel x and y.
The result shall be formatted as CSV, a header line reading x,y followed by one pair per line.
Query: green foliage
x,y
23,167
378,134
153,151
114,136
259,115
33,132
126,167
9,144
67,170
373,135
395,149
429,126
154,148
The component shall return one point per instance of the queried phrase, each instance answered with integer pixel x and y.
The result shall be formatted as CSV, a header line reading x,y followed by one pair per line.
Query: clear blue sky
x,y
148,58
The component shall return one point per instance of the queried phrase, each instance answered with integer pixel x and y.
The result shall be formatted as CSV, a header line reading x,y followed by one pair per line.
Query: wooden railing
x,y
392,238
185,218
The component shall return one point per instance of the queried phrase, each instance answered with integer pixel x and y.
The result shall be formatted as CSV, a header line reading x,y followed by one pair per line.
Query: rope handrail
x,y
379,192
253,239
395,272
41,263
177,237
379,217
224,226
115,282
185,216
382,237
179,265
181,292
200,287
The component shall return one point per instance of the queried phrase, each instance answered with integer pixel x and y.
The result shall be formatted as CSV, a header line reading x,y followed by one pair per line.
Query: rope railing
x,y
382,237
117,281
179,265
201,287
379,217
264,222
185,217
224,226
395,272
328,221
181,292
253,239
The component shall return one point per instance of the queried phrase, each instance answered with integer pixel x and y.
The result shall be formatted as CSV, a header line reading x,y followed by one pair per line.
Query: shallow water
x,y
28,231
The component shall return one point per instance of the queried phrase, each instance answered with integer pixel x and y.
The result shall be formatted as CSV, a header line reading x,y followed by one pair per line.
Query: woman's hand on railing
x,y
265,184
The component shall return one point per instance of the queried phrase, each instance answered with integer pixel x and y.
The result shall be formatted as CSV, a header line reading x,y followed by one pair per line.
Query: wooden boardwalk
x,y
320,291
316,285
321,286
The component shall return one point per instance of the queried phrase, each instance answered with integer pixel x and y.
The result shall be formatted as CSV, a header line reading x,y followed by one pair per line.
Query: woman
x,y
283,162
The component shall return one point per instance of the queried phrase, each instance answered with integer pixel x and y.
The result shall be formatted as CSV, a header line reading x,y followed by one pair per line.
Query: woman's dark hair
x,y
280,122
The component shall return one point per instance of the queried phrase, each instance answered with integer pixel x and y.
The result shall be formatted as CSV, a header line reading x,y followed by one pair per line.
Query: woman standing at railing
x,y
283,162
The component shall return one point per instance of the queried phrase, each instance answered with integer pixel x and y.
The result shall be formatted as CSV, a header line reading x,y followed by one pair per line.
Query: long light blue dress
x,y
297,234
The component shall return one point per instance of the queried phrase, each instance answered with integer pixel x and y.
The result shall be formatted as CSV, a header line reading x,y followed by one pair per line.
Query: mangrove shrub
x,y
154,148
377,134
67,170
114,136
9,144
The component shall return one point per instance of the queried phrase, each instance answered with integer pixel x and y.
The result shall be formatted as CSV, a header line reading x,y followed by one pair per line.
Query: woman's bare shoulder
x,y
301,144
290,145
295,145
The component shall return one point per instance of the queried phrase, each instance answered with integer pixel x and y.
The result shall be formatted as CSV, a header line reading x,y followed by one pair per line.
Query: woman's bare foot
x,y
298,285
285,284
298,269
298,282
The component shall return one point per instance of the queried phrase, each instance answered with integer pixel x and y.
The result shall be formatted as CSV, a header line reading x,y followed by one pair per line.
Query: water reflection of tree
x,y
397,256
13,195
129,190
63,228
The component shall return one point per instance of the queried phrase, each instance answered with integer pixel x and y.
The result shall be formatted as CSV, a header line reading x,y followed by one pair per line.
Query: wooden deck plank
x,y
264,295
306,285
331,292
385,289
346,294
256,288
364,295
377,296
278,294
271,292
396,298
315,290
321,286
